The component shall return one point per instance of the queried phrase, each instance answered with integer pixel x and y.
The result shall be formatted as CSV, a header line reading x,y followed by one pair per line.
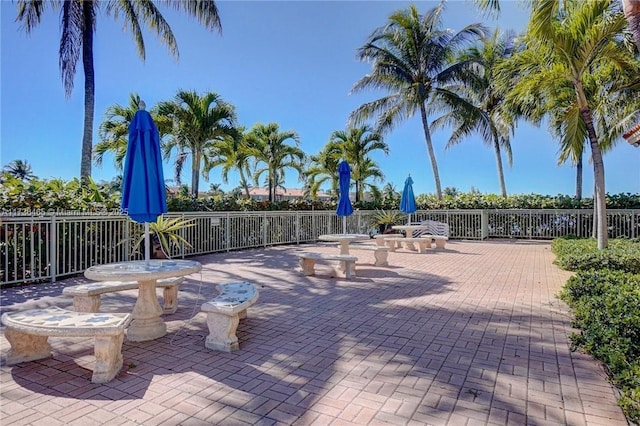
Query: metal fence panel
x,y
48,246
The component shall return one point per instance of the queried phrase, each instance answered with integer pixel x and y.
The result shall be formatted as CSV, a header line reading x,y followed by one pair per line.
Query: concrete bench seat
x,y
86,297
393,243
439,240
347,263
224,313
380,253
380,238
28,333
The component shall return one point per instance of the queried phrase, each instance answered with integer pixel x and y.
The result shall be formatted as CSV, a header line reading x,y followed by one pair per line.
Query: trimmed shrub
x,y
606,306
583,254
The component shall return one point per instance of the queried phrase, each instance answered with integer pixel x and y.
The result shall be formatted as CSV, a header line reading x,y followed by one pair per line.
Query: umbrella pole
x,y
147,243
344,225
409,220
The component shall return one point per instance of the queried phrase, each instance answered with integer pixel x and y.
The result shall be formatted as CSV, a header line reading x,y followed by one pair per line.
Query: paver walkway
x,y
468,336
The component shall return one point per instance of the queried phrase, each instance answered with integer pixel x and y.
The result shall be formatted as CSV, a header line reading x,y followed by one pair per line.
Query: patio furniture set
x,y
424,234
28,331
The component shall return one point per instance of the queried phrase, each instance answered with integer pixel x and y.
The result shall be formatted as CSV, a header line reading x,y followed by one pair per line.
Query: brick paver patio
x,y
471,335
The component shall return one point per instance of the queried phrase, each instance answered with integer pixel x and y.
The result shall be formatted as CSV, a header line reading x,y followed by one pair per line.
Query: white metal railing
x,y
46,247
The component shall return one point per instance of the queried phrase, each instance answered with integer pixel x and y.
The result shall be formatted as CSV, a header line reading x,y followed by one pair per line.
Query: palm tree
x,y
114,130
411,59
268,146
355,144
477,104
631,10
78,25
199,123
231,155
19,169
322,169
565,46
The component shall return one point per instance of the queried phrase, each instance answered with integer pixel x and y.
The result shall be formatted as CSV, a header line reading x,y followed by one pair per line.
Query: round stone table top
x,y
141,270
343,237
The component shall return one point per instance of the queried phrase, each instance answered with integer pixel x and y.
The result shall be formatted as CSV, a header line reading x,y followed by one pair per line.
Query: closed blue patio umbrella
x,y
344,203
143,193
408,201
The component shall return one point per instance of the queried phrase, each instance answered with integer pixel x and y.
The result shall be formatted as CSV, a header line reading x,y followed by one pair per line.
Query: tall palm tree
x,y
78,25
411,59
199,123
477,104
273,155
564,45
19,169
355,144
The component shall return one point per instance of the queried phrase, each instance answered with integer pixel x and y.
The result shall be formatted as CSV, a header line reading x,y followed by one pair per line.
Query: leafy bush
x,y
583,254
606,306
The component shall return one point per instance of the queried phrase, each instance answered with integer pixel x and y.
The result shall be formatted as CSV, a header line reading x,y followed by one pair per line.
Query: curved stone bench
x,y
224,313
347,262
86,297
28,333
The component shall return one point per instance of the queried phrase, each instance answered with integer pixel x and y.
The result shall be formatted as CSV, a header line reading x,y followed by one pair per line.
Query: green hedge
x,y
606,306
582,255
605,298
56,194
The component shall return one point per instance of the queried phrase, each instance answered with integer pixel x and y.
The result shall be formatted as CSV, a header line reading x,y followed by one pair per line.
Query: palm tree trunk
x,y
89,91
432,155
579,179
594,226
195,174
503,187
598,173
631,10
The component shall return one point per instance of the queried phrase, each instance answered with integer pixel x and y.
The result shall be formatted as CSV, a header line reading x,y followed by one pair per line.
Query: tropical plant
x,y
476,104
19,169
355,144
323,168
232,154
411,59
199,123
268,146
566,45
164,235
78,25
384,219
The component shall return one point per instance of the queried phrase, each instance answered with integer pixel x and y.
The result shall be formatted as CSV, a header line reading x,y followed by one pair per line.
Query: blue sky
x,y
277,61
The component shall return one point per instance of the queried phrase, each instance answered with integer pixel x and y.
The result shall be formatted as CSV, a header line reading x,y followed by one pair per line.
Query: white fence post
x,y
53,244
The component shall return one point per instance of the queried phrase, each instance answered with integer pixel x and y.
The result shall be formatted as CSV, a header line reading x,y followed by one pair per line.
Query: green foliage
x,y
606,306
583,254
56,195
387,217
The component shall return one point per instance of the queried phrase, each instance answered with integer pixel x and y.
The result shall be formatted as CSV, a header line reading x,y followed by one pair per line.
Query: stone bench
x,y
380,238
224,313
347,263
380,253
86,297
28,332
393,243
439,240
